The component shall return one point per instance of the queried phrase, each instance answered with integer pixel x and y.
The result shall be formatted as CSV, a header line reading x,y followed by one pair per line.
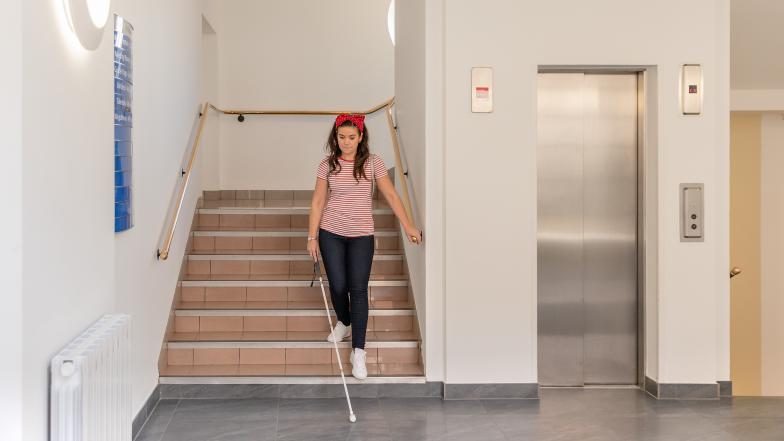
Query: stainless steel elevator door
x,y
587,229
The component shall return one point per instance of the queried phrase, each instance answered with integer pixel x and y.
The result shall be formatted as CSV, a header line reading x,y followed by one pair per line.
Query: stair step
x,y
295,253
305,357
213,381
251,218
375,306
270,242
288,210
289,321
284,370
247,265
282,313
302,204
290,294
295,214
269,232
314,339
298,256
301,282
249,278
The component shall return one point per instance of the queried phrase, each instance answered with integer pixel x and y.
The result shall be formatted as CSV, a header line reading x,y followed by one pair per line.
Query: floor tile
x,y
560,415
156,425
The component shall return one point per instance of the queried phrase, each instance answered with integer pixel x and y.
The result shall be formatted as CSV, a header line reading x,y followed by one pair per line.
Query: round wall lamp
x,y
391,21
87,19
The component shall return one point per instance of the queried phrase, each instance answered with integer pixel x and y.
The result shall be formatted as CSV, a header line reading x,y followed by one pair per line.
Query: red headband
x,y
356,118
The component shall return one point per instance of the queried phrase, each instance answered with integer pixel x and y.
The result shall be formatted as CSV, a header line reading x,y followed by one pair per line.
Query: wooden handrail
x,y
163,250
398,162
302,112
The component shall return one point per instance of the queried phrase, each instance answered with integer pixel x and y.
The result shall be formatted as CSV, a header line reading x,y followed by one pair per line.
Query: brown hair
x,y
363,151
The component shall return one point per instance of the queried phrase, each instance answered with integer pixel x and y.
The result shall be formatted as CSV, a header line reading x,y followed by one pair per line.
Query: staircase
x,y
244,310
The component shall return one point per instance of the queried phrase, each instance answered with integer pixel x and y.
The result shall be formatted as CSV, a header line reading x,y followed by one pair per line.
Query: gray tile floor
x,y
561,414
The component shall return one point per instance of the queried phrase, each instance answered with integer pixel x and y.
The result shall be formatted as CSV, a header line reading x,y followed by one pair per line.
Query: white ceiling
x,y
757,44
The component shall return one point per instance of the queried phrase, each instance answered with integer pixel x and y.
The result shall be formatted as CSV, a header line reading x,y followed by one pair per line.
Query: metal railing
x,y
166,241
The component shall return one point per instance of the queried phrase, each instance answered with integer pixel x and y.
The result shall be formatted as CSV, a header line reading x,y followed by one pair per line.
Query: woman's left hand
x,y
413,234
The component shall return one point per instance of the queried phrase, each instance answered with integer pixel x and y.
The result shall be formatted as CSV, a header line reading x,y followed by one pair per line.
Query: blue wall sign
x,y
123,123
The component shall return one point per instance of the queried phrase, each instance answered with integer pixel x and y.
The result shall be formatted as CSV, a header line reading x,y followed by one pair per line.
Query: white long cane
x,y
317,270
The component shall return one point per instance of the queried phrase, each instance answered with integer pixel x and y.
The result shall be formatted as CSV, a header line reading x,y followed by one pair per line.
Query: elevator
x,y
587,238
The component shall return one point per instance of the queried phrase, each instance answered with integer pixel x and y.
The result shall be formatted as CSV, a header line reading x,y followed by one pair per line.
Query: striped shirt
x,y
349,210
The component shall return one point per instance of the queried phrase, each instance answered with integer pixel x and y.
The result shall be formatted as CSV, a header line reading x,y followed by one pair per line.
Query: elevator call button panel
x,y
692,216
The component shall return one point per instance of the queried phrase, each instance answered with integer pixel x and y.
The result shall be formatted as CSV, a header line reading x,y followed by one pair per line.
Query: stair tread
x,y
291,370
282,210
272,305
245,252
271,203
216,229
285,336
278,277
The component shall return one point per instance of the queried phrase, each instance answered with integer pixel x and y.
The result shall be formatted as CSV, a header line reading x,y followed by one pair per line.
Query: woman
x,y
341,226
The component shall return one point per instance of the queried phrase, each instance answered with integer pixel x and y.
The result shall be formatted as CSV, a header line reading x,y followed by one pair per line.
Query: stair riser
x,y
278,195
185,324
268,195
277,267
283,356
279,293
275,220
208,243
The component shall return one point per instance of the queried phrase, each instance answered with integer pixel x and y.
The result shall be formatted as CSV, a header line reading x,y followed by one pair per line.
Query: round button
x,y
693,226
694,216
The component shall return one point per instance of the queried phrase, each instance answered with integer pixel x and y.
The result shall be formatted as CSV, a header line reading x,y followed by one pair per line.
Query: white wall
x,y
74,266
68,199
209,150
410,114
292,55
419,111
490,183
166,105
772,218
721,194
11,221
434,223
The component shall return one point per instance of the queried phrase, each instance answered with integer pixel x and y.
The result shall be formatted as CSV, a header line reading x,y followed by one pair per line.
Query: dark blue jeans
x,y
347,261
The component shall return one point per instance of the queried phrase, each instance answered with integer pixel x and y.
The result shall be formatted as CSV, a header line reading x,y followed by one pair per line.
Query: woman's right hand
x,y
313,249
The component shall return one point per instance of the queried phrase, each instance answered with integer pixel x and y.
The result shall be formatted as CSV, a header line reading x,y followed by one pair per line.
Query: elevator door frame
x,y
642,76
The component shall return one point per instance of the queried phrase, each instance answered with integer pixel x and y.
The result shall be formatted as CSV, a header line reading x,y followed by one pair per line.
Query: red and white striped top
x,y
349,210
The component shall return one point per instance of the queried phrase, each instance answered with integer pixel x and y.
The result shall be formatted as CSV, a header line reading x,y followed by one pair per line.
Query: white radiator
x,y
90,395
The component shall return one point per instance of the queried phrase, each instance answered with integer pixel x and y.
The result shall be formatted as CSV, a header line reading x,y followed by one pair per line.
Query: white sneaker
x,y
340,332
357,358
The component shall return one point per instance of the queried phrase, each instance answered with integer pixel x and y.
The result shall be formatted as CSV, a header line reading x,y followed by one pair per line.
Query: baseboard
x,y
651,387
725,389
682,391
335,390
144,413
488,391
